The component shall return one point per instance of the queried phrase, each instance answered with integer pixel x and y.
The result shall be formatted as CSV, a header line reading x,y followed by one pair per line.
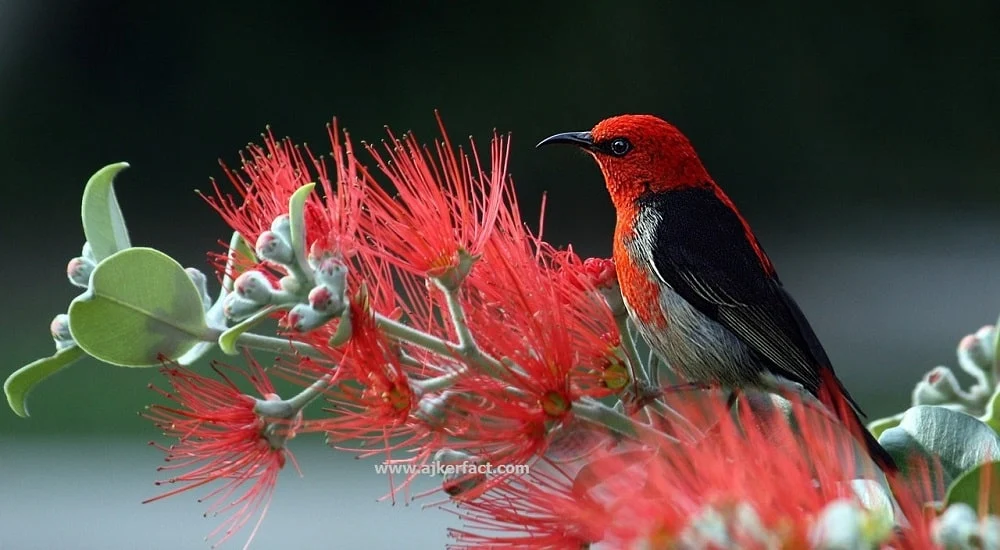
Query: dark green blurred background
x,y
860,141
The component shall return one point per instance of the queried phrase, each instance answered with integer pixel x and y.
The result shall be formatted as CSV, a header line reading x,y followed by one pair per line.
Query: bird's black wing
x,y
702,250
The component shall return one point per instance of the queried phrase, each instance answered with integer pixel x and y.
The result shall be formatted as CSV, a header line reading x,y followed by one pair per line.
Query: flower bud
x,y
78,271
939,386
253,286
236,308
839,527
273,247
433,409
322,299
453,457
462,475
976,355
303,318
956,527
282,225
59,327
290,284
462,483
706,529
331,271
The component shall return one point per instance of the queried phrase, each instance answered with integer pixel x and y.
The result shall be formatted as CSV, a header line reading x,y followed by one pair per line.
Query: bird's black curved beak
x,y
580,139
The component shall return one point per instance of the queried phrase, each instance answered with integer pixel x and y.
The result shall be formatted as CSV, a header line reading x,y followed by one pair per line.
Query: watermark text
x,y
453,469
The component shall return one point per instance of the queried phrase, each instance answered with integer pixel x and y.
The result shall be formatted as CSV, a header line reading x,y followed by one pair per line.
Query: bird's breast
x,y
695,346
640,287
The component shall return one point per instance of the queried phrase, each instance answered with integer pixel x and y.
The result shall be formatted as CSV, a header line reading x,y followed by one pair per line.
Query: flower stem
x,y
457,312
598,413
471,353
287,408
278,345
439,383
639,372
418,338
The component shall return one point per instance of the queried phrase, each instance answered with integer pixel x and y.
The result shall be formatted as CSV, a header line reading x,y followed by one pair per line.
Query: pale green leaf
x,y
238,248
876,427
20,383
141,304
992,416
297,220
103,224
227,340
959,441
980,485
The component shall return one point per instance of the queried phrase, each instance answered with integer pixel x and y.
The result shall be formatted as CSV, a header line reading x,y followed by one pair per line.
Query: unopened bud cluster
x,y
314,297
842,525
977,357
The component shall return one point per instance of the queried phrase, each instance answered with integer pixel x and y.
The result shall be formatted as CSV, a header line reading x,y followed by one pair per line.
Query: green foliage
x,y
296,215
970,486
141,304
20,383
958,441
239,250
229,337
103,223
992,415
877,427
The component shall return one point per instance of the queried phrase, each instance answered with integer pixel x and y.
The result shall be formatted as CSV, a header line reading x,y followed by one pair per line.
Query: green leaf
x,y
969,488
20,383
238,248
297,220
876,427
103,224
227,340
959,441
141,304
992,416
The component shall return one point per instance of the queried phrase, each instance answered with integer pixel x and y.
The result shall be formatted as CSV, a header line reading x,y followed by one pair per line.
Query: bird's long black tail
x,y
833,394
875,449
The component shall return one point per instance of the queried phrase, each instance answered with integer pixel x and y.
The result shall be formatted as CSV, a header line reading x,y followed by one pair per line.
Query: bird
x,y
696,281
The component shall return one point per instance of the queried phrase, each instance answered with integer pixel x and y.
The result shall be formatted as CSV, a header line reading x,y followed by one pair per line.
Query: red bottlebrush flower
x,y
538,510
374,406
532,309
756,484
548,335
601,272
442,209
374,396
785,476
273,172
222,439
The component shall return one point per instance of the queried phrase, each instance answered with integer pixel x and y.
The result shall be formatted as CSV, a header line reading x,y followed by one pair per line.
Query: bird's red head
x,y
639,154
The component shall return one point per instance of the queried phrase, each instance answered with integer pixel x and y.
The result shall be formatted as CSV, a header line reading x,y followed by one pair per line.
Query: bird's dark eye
x,y
620,146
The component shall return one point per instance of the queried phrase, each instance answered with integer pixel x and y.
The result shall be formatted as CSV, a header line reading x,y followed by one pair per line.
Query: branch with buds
x,y
431,326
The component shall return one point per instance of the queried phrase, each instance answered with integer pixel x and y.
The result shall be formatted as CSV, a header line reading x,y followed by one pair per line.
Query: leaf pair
x,y
139,302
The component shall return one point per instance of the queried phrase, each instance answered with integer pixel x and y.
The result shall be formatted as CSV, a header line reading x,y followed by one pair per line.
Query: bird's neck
x,y
627,184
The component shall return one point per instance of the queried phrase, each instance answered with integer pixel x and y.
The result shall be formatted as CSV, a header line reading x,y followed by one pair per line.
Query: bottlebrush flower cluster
x,y
426,322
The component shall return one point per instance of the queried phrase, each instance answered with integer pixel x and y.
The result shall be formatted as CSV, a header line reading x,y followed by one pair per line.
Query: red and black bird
x,y
696,282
